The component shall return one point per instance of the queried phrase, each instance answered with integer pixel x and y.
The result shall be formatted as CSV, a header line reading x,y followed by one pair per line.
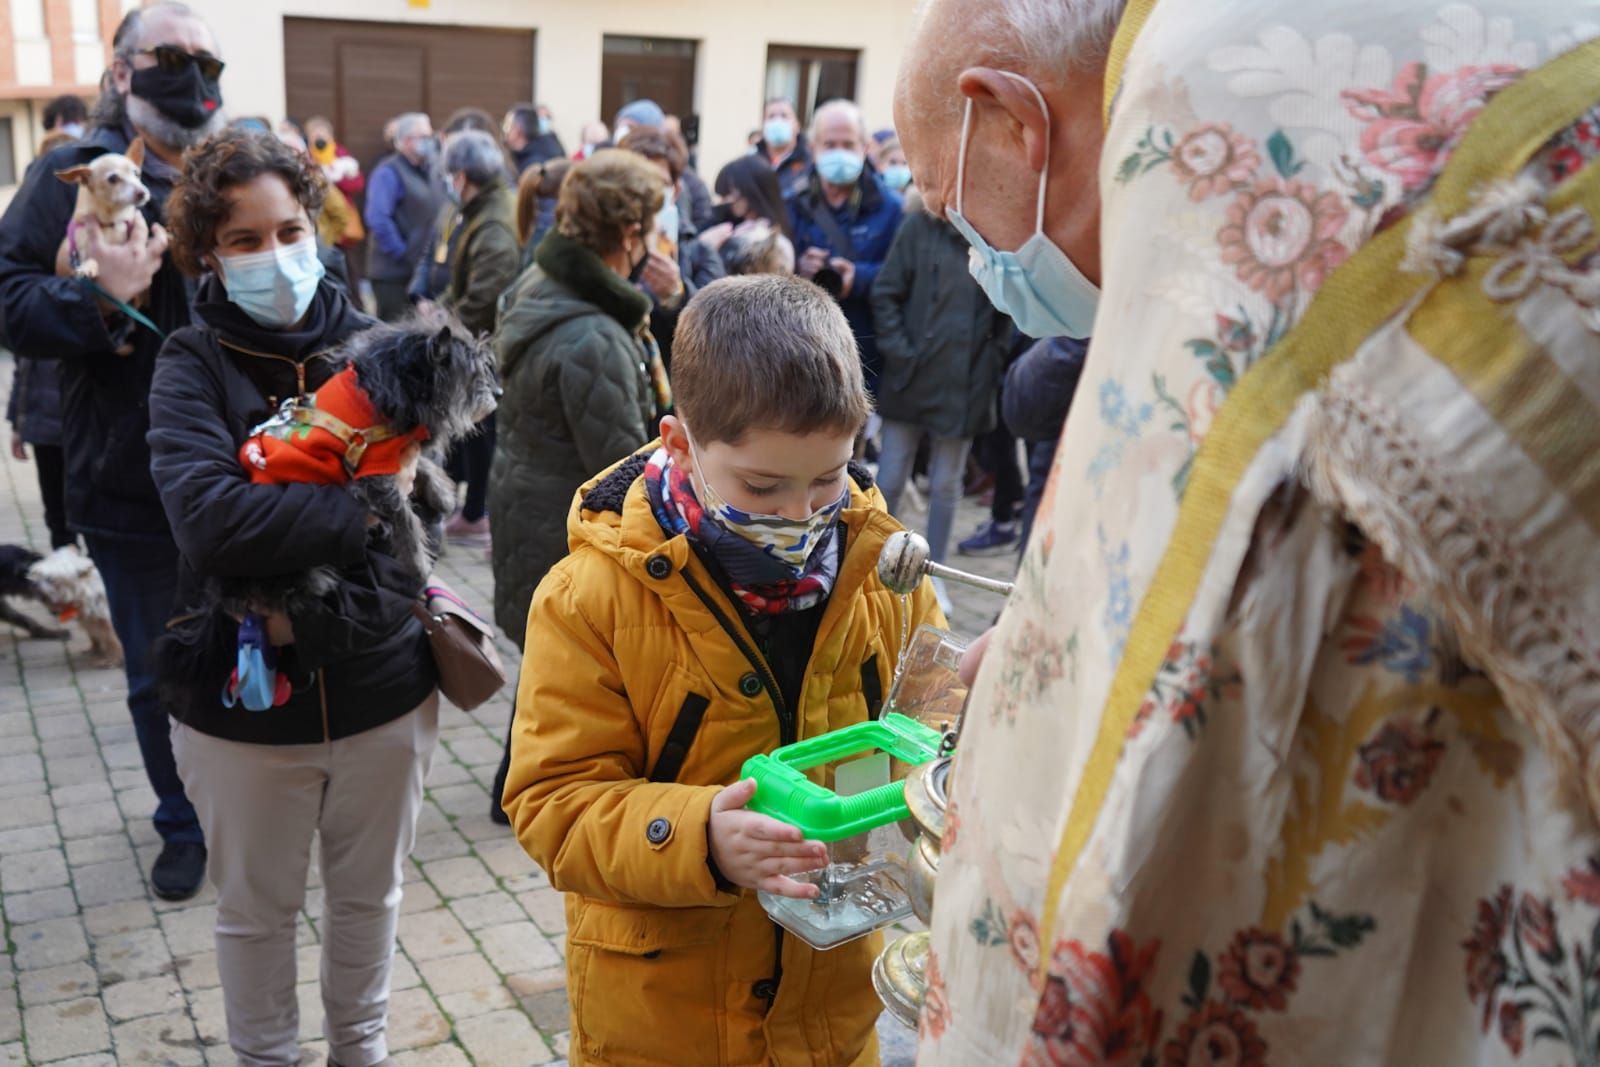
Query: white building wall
x,y
731,63
31,45
88,52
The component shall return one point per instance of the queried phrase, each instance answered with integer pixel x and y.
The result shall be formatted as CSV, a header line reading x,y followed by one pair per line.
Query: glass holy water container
x,y
927,685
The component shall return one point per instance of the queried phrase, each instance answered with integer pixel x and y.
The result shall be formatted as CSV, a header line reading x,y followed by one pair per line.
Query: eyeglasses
x,y
174,60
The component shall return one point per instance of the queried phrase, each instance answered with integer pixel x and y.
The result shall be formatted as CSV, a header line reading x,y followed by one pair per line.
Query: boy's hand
x,y
756,852
19,448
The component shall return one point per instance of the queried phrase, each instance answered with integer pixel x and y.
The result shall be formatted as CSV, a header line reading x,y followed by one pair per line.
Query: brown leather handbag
x,y
470,671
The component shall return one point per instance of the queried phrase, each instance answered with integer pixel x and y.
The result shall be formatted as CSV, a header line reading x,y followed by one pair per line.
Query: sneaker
x,y
179,871
990,538
461,529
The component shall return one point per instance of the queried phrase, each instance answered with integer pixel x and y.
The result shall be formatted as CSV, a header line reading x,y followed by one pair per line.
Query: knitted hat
x,y
642,113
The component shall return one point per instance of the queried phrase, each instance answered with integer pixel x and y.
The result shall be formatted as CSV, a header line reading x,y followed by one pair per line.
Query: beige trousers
x,y
259,806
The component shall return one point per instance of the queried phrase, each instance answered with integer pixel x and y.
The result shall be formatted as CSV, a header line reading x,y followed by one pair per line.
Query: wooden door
x,y
361,74
647,68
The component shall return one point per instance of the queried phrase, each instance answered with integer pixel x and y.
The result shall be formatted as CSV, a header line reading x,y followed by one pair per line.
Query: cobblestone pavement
x,y
98,972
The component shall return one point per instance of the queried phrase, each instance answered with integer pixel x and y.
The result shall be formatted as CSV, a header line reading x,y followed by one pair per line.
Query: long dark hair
x,y
754,179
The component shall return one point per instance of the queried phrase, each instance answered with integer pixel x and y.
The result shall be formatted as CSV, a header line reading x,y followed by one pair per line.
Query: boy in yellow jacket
x,y
721,599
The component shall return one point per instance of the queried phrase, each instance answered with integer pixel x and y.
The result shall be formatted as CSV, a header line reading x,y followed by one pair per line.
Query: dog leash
x,y
123,306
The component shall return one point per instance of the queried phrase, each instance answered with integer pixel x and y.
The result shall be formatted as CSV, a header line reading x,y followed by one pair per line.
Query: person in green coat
x,y
583,378
482,266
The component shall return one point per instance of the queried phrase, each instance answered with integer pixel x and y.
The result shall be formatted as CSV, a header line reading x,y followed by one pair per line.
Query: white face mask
x,y
1042,290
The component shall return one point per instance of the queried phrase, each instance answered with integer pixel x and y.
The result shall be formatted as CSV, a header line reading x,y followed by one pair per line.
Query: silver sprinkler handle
x,y
904,562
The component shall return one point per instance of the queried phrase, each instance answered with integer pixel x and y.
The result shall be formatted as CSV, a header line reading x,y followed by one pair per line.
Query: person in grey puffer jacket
x,y
34,411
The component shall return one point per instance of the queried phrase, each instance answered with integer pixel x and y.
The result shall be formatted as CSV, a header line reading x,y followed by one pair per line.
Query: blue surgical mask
x,y
897,176
544,126
274,287
840,166
779,133
1042,290
72,129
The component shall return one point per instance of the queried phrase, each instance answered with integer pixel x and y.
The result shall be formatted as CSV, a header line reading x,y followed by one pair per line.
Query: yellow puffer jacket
x,y
628,638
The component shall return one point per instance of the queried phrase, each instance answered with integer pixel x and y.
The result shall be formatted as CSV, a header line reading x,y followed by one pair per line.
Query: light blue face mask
x,y
1042,290
274,287
543,126
779,133
897,176
840,166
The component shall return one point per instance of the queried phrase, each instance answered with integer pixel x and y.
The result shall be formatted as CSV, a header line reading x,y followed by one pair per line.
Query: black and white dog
x,y
67,584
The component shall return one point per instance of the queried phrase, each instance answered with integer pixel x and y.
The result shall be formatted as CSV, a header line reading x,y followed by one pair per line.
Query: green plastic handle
x,y
783,791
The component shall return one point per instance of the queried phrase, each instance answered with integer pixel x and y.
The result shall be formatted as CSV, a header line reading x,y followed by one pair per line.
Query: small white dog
x,y
70,586
110,193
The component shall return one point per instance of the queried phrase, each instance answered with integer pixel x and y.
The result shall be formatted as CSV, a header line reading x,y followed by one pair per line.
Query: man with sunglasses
x,y
162,86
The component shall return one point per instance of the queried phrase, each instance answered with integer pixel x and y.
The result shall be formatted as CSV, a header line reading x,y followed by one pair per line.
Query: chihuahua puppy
x,y
110,194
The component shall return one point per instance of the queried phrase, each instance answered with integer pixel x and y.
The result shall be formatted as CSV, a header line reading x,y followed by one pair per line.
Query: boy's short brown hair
x,y
766,352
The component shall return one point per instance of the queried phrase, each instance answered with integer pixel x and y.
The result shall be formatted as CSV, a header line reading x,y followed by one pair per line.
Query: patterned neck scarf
x,y
761,584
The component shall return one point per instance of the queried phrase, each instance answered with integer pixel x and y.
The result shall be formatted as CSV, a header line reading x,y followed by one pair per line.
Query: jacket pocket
x,y
679,739
646,983
872,687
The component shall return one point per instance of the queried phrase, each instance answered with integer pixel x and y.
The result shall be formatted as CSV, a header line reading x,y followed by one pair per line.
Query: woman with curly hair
x,y
343,754
583,379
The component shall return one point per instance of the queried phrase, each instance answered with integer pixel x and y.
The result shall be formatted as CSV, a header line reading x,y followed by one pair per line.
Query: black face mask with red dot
x,y
186,96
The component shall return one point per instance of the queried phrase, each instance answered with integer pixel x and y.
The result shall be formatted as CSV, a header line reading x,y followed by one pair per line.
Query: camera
x,y
829,281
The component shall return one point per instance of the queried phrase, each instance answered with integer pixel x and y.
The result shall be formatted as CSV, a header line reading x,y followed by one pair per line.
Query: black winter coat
x,y
1040,386
104,396
360,659
574,352
943,344
34,409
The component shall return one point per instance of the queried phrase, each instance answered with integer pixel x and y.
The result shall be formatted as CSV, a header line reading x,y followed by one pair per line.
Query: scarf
x,y
761,584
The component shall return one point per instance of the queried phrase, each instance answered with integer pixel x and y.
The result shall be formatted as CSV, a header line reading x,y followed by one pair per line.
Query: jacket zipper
x,y
786,723
299,365
786,735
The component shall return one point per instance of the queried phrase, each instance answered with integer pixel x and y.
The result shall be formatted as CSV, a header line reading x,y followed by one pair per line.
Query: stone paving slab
x,y
99,972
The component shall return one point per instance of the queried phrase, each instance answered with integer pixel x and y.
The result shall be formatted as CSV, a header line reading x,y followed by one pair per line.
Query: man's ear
x,y
135,152
121,74
74,175
1017,102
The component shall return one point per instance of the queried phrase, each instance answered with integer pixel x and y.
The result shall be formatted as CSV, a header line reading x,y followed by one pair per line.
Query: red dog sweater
x,y
326,438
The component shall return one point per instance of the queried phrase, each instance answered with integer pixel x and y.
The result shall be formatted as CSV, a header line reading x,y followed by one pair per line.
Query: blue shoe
x,y
990,538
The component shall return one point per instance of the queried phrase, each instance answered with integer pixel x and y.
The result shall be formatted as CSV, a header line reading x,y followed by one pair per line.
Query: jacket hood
x,y
611,512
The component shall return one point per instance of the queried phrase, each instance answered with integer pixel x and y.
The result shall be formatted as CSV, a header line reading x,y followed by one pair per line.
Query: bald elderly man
x,y
1284,750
